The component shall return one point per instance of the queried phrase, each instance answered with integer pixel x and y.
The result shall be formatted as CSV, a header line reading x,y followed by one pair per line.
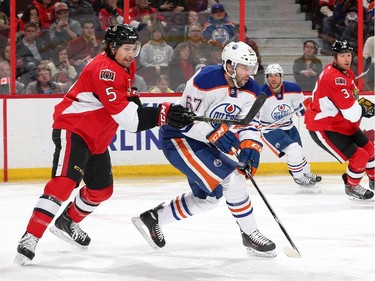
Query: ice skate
x,y
150,220
371,184
307,180
316,178
69,231
258,245
26,249
356,192
304,181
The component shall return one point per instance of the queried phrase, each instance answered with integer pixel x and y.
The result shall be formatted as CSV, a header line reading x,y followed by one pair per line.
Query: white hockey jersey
x,y
277,106
208,94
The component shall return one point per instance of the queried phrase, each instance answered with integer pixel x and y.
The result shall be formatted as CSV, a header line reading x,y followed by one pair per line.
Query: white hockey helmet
x,y
239,52
274,68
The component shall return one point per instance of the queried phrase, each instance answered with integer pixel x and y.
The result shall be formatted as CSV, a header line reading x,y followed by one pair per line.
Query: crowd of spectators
x,y
338,20
178,37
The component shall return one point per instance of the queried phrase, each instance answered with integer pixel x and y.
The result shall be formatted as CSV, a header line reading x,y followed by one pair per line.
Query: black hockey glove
x,y
175,116
136,100
368,107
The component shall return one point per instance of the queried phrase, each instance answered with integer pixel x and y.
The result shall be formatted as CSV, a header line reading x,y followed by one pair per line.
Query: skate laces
x,y
258,238
158,232
359,189
29,241
305,180
77,232
311,176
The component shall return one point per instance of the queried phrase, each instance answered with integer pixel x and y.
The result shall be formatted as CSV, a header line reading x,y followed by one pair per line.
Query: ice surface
x,y
335,236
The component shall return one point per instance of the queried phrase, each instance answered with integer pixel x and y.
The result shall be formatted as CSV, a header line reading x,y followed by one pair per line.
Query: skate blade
x,y
21,259
292,253
356,199
268,254
63,236
138,224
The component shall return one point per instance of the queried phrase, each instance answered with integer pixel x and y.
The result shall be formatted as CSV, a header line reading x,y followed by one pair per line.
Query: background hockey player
x,y
199,151
279,132
333,120
85,122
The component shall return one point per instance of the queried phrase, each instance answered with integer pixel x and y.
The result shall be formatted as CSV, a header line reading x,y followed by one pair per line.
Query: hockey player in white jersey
x,y
200,150
279,132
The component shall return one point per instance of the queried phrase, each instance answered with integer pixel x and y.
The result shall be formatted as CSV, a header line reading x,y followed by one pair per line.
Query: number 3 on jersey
x,y
346,93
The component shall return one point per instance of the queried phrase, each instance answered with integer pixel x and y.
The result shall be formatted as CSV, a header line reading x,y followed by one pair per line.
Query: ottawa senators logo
x,y
340,81
107,75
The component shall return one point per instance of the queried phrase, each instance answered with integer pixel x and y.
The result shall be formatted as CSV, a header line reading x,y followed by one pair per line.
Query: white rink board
x,y
30,146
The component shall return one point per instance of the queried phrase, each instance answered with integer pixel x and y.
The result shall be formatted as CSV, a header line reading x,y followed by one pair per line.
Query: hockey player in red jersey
x,y
333,120
85,122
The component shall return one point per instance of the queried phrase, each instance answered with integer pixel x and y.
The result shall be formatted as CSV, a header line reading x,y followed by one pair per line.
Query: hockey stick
x,y
362,74
292,253
260,100
284,117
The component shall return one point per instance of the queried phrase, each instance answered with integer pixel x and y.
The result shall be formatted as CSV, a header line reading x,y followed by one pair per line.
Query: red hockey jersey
x,y
97,103
334,107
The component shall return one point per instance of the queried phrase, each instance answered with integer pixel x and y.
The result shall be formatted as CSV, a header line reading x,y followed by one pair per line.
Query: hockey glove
x,y
223,139
248,159
175,116
306,102
136,100
368,107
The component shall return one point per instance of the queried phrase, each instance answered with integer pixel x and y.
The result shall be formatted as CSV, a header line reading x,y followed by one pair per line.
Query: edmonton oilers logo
x,y
218,163
225,111
280,111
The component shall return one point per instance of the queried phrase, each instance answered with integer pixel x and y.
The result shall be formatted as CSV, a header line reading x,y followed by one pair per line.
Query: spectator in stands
x,y
43,83
97,5
181,67
169,5
218,27
328,25
350,33
143,17
110,14
64,28
156,53
200,6
192,18
259,77
342,7
5,56
308,67
199,48
162,85
369,55
216,50
81,11
4,24
85,47
61,70
370,10
46,13
140,84
180,34
5,80
29,15
32,50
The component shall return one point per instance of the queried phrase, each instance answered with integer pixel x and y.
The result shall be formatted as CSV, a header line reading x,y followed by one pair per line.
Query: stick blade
x,y
292,253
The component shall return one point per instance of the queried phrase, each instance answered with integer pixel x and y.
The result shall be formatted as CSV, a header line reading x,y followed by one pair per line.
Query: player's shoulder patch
x,y
341,81
107,75
210,77
291,87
